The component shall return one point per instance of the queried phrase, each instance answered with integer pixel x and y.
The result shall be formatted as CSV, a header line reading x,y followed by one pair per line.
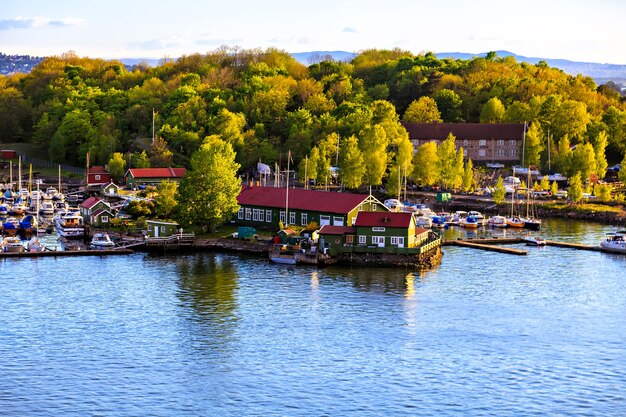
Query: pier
x,y
487,244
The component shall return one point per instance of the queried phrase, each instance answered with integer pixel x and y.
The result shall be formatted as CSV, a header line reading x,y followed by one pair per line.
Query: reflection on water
x,y
214,334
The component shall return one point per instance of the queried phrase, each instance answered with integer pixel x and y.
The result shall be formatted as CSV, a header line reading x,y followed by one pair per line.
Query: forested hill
x,y
266,103
601,73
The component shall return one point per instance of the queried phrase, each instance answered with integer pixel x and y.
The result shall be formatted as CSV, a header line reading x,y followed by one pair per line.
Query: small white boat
x,y
534,240
469,222
46,208
70,225
615,242
12,244
101,241
34,245
423,222
498,221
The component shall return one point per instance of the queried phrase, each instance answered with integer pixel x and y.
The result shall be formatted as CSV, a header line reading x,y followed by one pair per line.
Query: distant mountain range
x,y
601,73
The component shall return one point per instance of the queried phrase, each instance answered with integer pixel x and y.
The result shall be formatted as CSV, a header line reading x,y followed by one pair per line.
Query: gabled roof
x,y
101,211
336,230
156,172
108,184
383,219
300,199
92,201
461,131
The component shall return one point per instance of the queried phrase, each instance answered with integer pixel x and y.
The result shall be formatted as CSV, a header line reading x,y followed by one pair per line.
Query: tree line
x,y
264,104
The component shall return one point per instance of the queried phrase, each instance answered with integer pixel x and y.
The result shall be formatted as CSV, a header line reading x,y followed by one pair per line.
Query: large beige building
x,y
482,142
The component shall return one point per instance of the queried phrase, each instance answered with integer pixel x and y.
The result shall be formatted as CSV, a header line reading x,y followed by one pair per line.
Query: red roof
x,y
300,199
383,219
336,230
461,131
97,170
157,172
90,202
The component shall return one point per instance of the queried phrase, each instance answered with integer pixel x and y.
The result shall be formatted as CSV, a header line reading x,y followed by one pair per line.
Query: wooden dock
x,y
478,244
576,246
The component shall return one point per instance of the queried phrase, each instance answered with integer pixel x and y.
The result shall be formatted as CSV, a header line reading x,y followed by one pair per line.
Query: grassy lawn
x,y
584,207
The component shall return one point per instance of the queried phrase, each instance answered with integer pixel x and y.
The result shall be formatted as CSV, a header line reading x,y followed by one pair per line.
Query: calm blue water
x,y
223,335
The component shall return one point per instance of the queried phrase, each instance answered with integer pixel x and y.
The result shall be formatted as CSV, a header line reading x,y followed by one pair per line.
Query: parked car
x,y
561,194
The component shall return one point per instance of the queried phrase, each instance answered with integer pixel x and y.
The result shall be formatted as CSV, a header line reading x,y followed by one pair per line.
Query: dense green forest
x,y
264,103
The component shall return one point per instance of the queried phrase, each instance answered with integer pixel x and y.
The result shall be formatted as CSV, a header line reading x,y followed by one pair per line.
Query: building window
x,y
378,229
248,213
255,215
350,239
394,240
304,219
268,216
104,219
512,142
482,152
362,239
292,217
338,221
500,142
261,215
465,142
240,213
162,229
97,177
378,240
283,217
499,152
324,220
482,142
513,152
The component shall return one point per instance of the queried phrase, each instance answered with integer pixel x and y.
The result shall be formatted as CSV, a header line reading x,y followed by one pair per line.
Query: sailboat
x,y
530,221
514,220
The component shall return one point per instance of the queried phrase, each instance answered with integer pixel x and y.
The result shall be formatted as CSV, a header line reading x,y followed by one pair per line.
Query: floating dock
x,y
483,245
48,253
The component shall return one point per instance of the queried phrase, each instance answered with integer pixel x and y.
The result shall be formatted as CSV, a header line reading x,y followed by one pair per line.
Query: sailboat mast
x,y
60,179
287,191
19,173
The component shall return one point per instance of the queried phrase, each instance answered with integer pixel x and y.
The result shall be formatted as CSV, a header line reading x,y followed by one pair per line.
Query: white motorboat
x,y
101,241
70,225
534,240
12,244
615,242
498,221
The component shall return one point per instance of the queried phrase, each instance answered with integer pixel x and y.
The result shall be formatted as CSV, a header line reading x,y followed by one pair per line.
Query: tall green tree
x,y
207,195
449,104
373,144
468,176
499,191
117,166
599,148
160,155
446,157
534,145
352,164
575,189
422,110
584,161
493,111
165,202
426,164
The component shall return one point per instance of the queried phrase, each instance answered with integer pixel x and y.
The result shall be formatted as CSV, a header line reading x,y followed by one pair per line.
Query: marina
x,y
542,331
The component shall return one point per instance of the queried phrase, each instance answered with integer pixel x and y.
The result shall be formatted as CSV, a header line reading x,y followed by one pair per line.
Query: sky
x,y
578,30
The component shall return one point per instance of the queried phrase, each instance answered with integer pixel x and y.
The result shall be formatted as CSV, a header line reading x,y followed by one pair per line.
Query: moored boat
x,y
12,244
497,221
101,241
70,225
615,242
469,222
282,254
534,240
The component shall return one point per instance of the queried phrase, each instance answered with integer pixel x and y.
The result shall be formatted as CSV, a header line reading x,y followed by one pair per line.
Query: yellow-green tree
x,y
422,110
352,165
499,191
426,164
493,111
575,189
117,166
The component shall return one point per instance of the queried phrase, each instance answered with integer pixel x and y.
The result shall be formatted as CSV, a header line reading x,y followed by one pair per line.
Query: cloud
x,y
39,22
349,30
217,41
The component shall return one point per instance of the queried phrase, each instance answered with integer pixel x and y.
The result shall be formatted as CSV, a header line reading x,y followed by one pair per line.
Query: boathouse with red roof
x,y
152,176
269,206
379,229
98,175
